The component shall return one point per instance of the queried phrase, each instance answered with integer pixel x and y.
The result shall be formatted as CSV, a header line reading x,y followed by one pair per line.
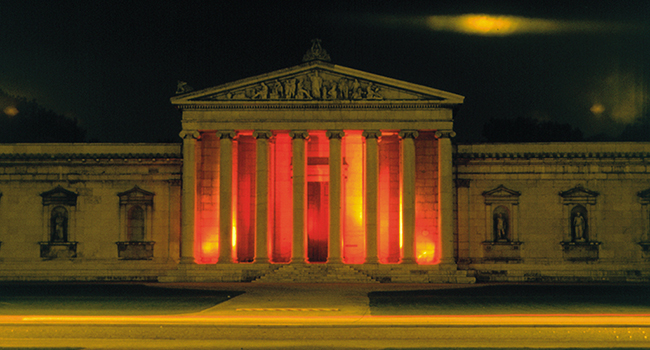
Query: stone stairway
x,y
316,273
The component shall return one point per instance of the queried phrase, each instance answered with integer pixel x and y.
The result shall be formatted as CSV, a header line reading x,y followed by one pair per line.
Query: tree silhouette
x,y
26,121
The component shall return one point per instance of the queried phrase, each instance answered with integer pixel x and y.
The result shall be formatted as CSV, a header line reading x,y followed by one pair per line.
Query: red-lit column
x,y
299,138
408,196
446,199
225,195
372,187
262,197
335,137
188,202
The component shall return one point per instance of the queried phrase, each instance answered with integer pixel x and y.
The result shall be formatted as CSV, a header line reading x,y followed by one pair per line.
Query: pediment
x,y
60,196
317,82
579,194
501,194
136,195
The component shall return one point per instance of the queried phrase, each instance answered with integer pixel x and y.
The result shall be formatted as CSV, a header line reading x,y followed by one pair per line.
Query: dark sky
x,y
114,64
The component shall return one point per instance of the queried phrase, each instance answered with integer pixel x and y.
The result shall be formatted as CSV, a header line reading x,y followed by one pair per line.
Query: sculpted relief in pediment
x,y
314,85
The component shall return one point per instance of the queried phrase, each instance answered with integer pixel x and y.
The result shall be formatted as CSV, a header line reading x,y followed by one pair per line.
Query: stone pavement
x,y
299,299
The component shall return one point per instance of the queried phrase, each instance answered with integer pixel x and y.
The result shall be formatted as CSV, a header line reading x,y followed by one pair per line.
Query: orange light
x,y
427,236
11,111
281,197
354,230
206,236
389,202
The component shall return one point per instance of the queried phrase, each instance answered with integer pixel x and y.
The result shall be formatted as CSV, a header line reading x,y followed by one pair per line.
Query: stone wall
x,y
553,211
85,180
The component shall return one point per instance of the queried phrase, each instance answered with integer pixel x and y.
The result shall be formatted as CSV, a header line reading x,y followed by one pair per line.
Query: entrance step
x,y
316,273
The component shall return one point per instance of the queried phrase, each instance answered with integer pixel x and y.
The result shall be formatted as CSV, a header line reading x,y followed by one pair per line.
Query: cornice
x,y
90,156
317,106
554,155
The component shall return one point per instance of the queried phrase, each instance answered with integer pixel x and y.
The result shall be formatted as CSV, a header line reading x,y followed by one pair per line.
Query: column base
x,y
407,261
261,261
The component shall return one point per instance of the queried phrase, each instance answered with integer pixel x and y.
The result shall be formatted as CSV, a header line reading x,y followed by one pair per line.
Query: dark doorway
x,y
317,221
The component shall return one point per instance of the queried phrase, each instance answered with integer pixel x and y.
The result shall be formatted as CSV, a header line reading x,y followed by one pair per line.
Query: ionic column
x,y
262,196
299,255
225,195
335,137
408,195
188,195
446,199
372,188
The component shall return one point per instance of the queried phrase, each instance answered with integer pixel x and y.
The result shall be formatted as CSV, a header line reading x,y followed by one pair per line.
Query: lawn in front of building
x,y
514,299
99,299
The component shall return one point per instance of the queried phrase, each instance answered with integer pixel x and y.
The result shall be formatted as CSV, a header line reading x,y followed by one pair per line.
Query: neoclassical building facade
x,y
322,173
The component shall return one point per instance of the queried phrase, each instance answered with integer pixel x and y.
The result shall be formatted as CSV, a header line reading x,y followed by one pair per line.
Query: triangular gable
x,y
501,194
60,196
136,195
579,194
317,81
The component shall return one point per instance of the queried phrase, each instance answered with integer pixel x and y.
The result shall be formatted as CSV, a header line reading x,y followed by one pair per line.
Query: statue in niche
x,y
59,225
344,88
316,84
290,88
579,227
262,93
500,224
301,92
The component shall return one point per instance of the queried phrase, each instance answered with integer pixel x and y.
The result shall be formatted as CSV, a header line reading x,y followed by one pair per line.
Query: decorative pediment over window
x,y
580,195
644,196
501,194
318,81
136,195
59,196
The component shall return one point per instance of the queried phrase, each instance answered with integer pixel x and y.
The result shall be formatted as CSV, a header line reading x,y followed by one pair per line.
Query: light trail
x,y
266,318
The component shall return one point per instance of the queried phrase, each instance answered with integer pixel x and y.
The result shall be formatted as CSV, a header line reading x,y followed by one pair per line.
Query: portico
x,y
317,164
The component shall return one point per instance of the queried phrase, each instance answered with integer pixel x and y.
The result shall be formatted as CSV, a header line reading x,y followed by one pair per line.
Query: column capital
x,y
409,134
335,134
226,134
189,134
439,134
262,134
371,134
299,134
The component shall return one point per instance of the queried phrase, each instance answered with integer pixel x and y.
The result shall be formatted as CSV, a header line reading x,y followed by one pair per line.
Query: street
x,y
311,317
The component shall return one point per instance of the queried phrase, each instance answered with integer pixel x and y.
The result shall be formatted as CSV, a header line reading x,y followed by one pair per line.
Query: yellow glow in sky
x,y
501,25
11,111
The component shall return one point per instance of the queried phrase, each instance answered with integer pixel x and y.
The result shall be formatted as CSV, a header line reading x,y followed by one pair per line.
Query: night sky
x,y
114,65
